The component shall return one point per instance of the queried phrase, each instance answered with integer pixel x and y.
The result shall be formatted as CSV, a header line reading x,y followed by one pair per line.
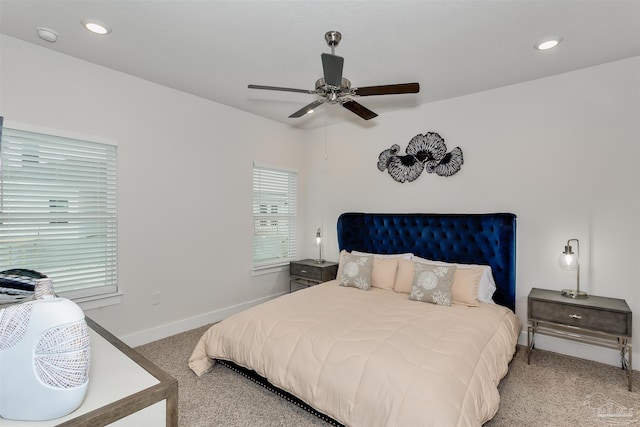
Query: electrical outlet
x,y
155,298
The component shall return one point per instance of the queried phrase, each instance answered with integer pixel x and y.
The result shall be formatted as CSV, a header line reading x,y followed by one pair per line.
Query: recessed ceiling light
x,y
96,26
47,34
548,43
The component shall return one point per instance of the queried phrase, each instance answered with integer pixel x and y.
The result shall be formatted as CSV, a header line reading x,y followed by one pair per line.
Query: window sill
x,y
98,301
270,270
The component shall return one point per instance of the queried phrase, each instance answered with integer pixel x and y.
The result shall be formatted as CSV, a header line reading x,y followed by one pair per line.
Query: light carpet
x,y
553,391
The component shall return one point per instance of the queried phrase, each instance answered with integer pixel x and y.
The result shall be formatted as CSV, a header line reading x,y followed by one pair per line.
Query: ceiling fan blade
x,y
359,109
306,109
388,89
282,89
332,67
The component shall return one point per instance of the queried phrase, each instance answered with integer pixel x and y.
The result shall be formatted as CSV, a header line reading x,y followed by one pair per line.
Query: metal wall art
x,y
426,151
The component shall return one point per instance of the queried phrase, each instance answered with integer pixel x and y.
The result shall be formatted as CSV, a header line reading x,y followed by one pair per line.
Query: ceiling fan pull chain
x,y
326,114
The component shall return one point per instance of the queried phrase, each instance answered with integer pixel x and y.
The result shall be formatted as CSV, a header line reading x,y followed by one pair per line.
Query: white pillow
x,y
407,255
487,285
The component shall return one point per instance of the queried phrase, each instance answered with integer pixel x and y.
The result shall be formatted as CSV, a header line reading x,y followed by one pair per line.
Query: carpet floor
x,y
553,391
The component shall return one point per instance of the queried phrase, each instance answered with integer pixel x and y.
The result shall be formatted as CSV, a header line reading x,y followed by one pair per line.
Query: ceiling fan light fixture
x,y
95,26
548,43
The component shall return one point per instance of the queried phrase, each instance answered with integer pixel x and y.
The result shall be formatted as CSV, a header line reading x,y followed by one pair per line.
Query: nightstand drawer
x,y
610,322
307,271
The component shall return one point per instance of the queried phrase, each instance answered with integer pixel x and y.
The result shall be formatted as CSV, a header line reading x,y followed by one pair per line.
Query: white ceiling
x,y
213,49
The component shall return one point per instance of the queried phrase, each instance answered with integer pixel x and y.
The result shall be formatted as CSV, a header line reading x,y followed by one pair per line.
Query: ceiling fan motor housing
x,y
333,93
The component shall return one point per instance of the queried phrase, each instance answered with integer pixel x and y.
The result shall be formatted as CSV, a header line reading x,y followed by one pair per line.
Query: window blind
x,y
58,210
274,216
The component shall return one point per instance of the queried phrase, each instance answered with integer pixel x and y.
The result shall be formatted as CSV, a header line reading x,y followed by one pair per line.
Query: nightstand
x,y
593,320
308,272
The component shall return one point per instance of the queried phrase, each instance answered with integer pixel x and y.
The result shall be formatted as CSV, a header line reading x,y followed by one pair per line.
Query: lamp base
x,y
318,261
574,293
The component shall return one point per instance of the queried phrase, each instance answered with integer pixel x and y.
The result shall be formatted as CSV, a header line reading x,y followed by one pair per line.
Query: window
x,y
274,217
58,210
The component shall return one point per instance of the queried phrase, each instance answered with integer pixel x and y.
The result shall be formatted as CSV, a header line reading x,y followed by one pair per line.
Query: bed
x,y
385,354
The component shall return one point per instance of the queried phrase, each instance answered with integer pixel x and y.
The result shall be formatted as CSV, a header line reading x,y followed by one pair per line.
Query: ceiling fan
x,y
335,89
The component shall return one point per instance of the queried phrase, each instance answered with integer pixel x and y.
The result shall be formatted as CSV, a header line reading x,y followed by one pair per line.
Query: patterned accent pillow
x,y
487,285
356,271
432,283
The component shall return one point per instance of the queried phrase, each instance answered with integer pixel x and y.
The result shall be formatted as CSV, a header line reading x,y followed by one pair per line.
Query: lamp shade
x,y
568,260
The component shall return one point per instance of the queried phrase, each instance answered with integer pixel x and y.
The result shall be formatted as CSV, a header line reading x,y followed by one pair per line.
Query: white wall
x,y
184,184
561,152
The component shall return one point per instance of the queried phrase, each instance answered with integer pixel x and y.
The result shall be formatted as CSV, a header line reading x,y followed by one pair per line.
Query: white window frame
x,y
91,228
275,193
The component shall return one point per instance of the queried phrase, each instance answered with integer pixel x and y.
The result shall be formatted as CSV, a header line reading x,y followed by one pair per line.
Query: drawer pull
x,y
575,316
303,271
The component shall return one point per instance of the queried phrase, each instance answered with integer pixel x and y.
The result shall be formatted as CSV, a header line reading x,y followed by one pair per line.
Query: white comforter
x,y
372,358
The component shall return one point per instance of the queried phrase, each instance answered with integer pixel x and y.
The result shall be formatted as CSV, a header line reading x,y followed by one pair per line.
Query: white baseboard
x,y
148,335
577,349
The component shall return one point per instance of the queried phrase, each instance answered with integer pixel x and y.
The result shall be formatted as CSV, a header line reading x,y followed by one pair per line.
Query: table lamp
x,y
570,261
319,243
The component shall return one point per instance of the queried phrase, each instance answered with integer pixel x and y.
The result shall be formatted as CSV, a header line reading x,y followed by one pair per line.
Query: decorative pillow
x,y
404,277
487,285
384,271
341,264
465,286
432,283
356,271
384,268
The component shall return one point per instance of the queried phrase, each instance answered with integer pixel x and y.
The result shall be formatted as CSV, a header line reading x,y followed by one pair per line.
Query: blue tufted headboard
x,y
488,239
